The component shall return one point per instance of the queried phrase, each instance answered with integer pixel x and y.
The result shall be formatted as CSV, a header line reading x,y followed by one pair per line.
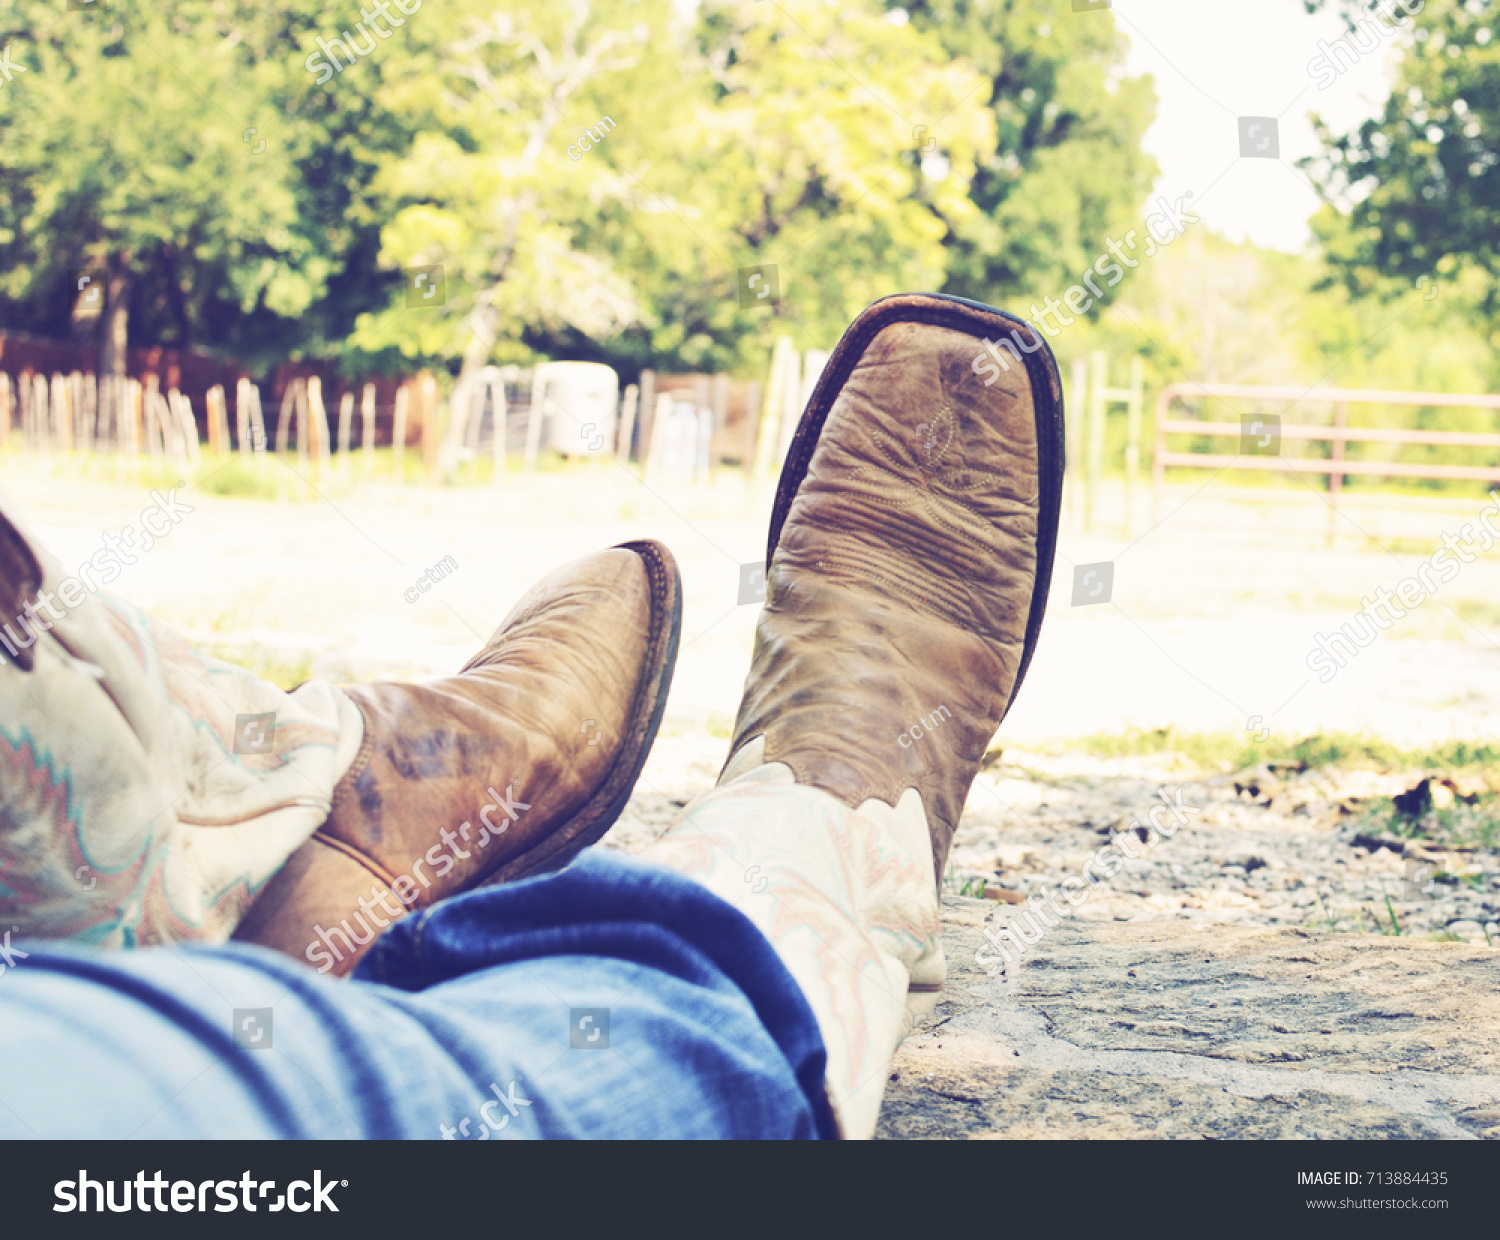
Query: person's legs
x,y
910,553
845,896
613,999
909,566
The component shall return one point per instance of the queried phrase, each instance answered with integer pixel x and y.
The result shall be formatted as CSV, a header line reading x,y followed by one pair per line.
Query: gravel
x,y
1270,848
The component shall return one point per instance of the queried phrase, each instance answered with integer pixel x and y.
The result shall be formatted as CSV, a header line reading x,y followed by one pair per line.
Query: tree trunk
x,y
116,318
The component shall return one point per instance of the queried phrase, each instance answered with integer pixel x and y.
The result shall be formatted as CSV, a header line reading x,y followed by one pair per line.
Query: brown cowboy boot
x,y
909,557
910,552
506,770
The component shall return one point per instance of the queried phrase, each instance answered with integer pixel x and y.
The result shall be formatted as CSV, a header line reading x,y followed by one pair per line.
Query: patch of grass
x,y
283,671
1473,825
235,477
270,477
1398,546
1477,611
1232,751
962,883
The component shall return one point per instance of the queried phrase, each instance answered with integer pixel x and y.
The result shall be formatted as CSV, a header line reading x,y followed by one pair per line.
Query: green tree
x,y
843,143
766,135
1415,191
183,150
490,192
1066,167
141,172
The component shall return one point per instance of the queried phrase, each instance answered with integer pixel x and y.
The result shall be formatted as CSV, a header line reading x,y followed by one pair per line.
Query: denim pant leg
x,y
613,999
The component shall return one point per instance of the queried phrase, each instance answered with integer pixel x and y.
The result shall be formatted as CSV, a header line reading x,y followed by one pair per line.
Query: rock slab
x,y
1166,1029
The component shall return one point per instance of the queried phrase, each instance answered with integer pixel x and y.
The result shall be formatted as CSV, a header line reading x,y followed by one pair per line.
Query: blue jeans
x,y
613,999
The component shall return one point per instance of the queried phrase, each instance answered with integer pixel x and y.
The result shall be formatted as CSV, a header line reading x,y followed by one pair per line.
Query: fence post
x,y
651,467
104,385
626,428
346,429
242,416
26,392
752,427
151,429
646,412
284,417
191,451
780,386
36,408
398,432
791,402
135,396
1133,409
367,430
164,426
1094,461
534,416
94,409
457,437
304,422
212,410
1075,405
80,412
318,419
43,411
721,419
62,414
475,406
1335,476
427,391
1158,452
185,428
218,419
500,410
704,445
257,426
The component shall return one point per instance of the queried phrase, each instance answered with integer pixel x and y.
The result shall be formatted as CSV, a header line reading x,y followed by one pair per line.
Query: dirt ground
x,y
1213,616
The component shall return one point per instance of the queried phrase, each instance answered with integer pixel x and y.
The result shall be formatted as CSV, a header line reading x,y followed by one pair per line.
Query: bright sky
x,y
1215,61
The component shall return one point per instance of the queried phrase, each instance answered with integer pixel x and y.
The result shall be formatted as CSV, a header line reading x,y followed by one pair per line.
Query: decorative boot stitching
x,y
369,863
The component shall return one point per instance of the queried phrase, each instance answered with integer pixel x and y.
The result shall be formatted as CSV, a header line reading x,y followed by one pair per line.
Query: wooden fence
x,y
164,410
1337,465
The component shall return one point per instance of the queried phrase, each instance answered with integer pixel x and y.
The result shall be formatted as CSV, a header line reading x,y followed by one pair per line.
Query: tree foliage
x,y
858,148
1415,191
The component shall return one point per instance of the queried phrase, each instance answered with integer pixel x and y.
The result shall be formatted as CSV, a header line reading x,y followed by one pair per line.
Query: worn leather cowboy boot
x,y
909,559
506,770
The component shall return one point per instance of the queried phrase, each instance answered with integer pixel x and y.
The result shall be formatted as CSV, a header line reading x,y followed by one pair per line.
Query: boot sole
x,y
979,321
609,801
